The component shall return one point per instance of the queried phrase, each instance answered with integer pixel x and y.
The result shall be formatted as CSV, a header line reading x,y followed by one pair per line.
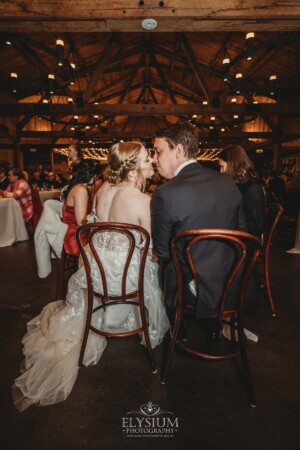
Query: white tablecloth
x,y
296,249
12,226
46,195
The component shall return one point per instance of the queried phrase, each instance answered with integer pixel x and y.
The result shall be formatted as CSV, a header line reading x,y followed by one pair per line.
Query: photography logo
x,y
150,421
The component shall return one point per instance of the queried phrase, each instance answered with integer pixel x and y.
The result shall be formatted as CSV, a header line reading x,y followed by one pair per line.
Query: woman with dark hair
x,y
75,154
234,161
78,203
20,190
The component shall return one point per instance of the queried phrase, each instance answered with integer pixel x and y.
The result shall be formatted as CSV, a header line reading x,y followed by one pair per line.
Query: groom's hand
x,y
152,256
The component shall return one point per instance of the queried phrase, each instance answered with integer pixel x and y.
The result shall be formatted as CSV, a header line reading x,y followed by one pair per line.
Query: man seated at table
x,y
36,181
50,181
20,190
4,181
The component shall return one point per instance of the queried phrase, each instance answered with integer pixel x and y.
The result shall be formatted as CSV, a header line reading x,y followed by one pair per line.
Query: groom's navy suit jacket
x,y
196,198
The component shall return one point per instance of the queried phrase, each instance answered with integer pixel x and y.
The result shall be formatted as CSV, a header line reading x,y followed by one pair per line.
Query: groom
x,y
195,197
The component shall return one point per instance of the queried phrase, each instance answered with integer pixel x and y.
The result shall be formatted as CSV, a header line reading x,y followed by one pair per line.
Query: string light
x,y
211,154
100,154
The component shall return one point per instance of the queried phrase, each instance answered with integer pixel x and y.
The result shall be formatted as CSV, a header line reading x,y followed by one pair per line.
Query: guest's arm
x,y
162,228
18,192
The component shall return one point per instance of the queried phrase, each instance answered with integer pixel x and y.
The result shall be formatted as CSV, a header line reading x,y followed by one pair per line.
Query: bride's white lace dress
x,y
53,341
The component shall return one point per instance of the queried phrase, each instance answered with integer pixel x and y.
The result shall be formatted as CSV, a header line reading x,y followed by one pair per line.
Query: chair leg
x,y
244,359
146,335
268,287
69,265
183,328
61,278
232,333
174,334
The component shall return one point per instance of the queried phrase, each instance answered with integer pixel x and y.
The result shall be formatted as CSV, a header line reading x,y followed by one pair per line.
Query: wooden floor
x,y
207,398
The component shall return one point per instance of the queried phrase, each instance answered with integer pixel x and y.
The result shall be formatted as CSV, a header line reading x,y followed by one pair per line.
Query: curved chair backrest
x,y
89,233
93,230
273,214
239,241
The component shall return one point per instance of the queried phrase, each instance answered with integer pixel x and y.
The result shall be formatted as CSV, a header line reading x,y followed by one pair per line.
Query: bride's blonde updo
x,y
122,158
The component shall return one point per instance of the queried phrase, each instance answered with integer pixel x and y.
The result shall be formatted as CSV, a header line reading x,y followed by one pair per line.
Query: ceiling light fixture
x,y
60,51
249,45
149,24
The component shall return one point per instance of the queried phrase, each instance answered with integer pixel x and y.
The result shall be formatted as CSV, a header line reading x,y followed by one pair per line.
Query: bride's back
x,y
121,203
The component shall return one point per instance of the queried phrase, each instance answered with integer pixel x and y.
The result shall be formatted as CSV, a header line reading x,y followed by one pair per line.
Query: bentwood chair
x,y
239,271
273,214
105,299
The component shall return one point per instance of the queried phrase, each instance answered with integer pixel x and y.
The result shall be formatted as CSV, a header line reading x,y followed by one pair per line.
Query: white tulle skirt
x,y
53,341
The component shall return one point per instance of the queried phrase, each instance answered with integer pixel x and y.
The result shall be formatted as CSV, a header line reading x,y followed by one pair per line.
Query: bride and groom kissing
x,y
194,197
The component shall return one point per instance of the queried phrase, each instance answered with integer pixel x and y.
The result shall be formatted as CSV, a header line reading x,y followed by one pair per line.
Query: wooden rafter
x,y
221,50
273,109
100,67
163,79
204,136
206,15
192,59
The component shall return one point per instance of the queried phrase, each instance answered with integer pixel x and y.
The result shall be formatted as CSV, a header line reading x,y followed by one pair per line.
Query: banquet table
x,y
12,226
46,195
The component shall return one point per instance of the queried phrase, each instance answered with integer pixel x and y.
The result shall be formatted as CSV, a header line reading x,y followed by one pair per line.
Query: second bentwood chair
x,y
241,266
106,300
273,214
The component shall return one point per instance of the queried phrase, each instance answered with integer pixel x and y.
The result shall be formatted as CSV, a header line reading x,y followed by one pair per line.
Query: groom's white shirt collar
x,y
186,163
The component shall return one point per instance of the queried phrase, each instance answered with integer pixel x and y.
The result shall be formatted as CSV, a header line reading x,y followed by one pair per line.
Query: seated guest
x,y
277,187
50,182
36,181
4,181
78,203
20,190
234,161
60,181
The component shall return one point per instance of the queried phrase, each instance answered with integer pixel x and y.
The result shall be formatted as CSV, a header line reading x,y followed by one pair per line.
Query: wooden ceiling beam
x,y
163,79
126,15
273,109
202,136
192,59
130,80
100,67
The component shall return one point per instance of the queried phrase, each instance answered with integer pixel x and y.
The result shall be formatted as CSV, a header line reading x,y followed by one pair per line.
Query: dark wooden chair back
x,y
246,249
135,297
273,214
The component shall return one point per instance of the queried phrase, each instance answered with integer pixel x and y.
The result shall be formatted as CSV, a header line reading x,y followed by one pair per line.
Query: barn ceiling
x,y
129,84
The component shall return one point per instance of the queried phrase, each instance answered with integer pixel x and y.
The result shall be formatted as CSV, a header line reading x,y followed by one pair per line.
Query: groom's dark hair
x,y
181,133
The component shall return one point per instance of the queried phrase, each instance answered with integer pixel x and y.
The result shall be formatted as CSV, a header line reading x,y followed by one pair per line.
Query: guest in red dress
x,y
78,203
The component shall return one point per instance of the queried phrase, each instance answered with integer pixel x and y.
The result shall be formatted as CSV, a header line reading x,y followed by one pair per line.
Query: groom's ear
x,y
179,151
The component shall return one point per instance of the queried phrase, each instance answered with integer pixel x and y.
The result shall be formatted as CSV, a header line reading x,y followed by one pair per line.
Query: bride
x,y
53,341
